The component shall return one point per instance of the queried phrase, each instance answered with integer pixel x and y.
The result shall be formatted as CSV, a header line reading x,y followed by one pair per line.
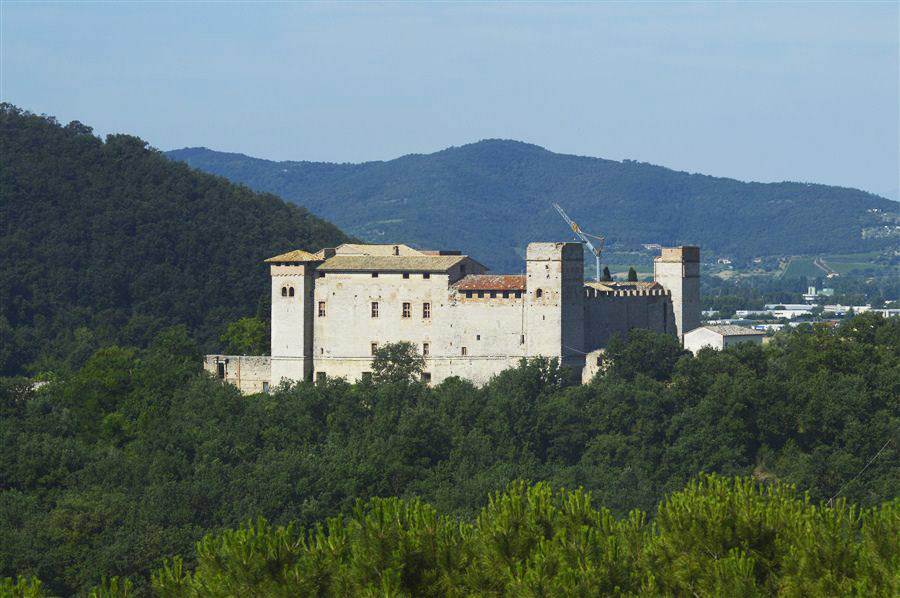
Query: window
x,y
374,309
320,376
220,368
539,293
396,250
464,352
468,294
290,291
374,348
321,350
481,294
477,337
493,294
427,275
284,291
406,275
367,376
407,310
266,387
426,349
518,294
426,377
426,310
522,339
506,294
320,275
321,309
374,274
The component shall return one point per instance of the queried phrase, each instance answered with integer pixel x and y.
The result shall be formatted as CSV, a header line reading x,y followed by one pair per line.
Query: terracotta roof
x,y
492,282
391,263
297,255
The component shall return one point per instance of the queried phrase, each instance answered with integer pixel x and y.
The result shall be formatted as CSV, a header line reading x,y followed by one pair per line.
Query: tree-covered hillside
x,y
107,242
492,197
130,460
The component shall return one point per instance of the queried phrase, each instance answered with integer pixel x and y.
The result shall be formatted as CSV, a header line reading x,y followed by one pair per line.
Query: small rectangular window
x,y
266,387
464,352
406,275
320,376
493,294
220,367
374,348
367,376
477,337
522,340
506,294
426,310
468,294
407,310
481,294
374,309
321,309
427,275
518,294
374,274
426,377
426,348
320,275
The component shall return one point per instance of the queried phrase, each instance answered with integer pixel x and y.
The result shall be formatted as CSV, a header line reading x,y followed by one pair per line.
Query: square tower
x,y
678,270
554,305
293,281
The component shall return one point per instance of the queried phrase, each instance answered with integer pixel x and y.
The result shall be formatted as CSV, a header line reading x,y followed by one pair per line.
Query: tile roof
x,y
492,282
391,263
733,330
381,249
297,255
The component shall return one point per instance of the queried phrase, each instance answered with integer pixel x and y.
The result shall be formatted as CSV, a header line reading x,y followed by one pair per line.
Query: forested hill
x,y
492,197
107,242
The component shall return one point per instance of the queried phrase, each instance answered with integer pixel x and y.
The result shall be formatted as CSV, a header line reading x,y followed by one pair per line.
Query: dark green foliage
x,y
632,274
105,243
492,197
607,277
247,336
715,538
397,363
109,470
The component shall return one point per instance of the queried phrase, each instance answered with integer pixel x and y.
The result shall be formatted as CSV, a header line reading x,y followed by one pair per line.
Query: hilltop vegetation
x,y
107,242
492,197
136,456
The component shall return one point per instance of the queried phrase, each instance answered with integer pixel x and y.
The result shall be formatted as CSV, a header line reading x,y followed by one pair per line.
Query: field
x,y
813,266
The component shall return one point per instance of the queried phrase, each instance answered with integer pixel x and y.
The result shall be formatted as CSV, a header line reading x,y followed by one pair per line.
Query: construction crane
x,y
583,236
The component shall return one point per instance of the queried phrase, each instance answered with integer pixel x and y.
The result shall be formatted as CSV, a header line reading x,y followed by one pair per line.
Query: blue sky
x,y
763,91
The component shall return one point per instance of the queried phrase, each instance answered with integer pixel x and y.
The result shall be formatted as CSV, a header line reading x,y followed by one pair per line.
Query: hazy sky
x,y
763,91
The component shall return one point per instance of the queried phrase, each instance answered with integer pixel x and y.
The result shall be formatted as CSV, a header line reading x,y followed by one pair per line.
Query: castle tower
x,y
678,270
293,280
554,304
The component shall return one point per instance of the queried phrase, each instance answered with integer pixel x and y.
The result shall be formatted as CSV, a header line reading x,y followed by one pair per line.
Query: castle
x,y
332,309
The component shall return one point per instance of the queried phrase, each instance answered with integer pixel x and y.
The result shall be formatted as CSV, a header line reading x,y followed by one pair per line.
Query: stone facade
x,y
332,309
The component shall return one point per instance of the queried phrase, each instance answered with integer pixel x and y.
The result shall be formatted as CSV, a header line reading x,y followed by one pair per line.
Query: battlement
x,y
593,293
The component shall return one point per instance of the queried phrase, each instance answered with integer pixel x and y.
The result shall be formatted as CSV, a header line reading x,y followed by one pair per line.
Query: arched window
x,y
290,291
284,291
539,293
287,291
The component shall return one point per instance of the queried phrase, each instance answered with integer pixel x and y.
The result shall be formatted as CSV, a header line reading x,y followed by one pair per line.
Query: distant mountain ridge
x,y
492,197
